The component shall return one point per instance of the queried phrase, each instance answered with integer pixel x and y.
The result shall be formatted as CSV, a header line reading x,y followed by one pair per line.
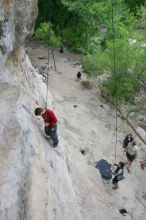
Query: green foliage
x,y
86,27
46,34
55,12
90,65
120,87
142,17
73,37
134,4
94,64
94,44
130,60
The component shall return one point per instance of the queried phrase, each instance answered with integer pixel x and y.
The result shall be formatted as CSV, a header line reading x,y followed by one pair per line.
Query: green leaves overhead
x,y
85,26
135,4
46,34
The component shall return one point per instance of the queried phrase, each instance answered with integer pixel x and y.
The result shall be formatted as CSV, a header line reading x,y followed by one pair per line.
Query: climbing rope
x,y
48,67
50,50
115,75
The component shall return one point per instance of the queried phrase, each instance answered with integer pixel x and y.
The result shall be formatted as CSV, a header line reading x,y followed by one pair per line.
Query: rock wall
x,y
17,19
31,184
36,181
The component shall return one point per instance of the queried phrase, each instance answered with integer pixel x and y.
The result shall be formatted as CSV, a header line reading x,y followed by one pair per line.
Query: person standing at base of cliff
x,y
131,154
118,175
143,163
127,140
50,120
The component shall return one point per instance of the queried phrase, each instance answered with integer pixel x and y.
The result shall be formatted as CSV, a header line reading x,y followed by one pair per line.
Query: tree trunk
x,y
123,116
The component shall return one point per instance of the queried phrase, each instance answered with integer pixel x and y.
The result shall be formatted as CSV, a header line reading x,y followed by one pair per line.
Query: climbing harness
x,y
115,75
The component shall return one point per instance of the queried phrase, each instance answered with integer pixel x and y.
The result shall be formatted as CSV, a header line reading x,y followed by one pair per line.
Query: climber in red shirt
x,y
50,120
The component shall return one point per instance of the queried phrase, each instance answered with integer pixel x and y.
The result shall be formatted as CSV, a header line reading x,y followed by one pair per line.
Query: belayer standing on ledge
x,y
50,120
131,154
127,140
118,175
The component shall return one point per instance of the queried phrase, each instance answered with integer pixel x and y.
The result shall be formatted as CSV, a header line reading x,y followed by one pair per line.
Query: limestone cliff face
x,y
31,184
20,91
17,19
38,182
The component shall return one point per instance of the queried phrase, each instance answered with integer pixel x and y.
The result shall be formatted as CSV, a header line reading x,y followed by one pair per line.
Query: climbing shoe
x,y
115,187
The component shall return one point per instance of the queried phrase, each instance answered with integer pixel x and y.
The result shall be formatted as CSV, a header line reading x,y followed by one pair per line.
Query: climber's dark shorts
x,y
52,132
130,157
115,180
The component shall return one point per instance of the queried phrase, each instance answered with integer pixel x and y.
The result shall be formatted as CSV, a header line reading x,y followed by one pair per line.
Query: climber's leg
x,y
54,136
48,130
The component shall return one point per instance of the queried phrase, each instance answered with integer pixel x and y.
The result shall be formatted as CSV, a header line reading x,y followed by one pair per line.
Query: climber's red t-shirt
x,y
50,117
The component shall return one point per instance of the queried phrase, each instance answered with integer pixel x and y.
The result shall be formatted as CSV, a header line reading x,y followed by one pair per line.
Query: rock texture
x,y
17,19
36,181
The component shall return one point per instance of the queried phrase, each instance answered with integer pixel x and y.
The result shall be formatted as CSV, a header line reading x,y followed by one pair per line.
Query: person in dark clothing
x,y
118,175
79,75
50,120
61,50
127,140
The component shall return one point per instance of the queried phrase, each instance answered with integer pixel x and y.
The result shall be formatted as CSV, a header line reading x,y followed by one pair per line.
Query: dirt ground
x,y
87,122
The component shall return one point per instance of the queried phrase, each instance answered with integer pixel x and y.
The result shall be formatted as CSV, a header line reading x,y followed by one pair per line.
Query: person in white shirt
x,y
131,153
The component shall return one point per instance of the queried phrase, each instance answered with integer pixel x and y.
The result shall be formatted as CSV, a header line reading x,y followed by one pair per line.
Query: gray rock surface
x,y
36,181
17,19
29,169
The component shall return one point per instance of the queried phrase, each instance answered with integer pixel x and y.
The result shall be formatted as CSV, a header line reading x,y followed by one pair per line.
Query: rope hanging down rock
x,y
48,67
115,75
52,52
